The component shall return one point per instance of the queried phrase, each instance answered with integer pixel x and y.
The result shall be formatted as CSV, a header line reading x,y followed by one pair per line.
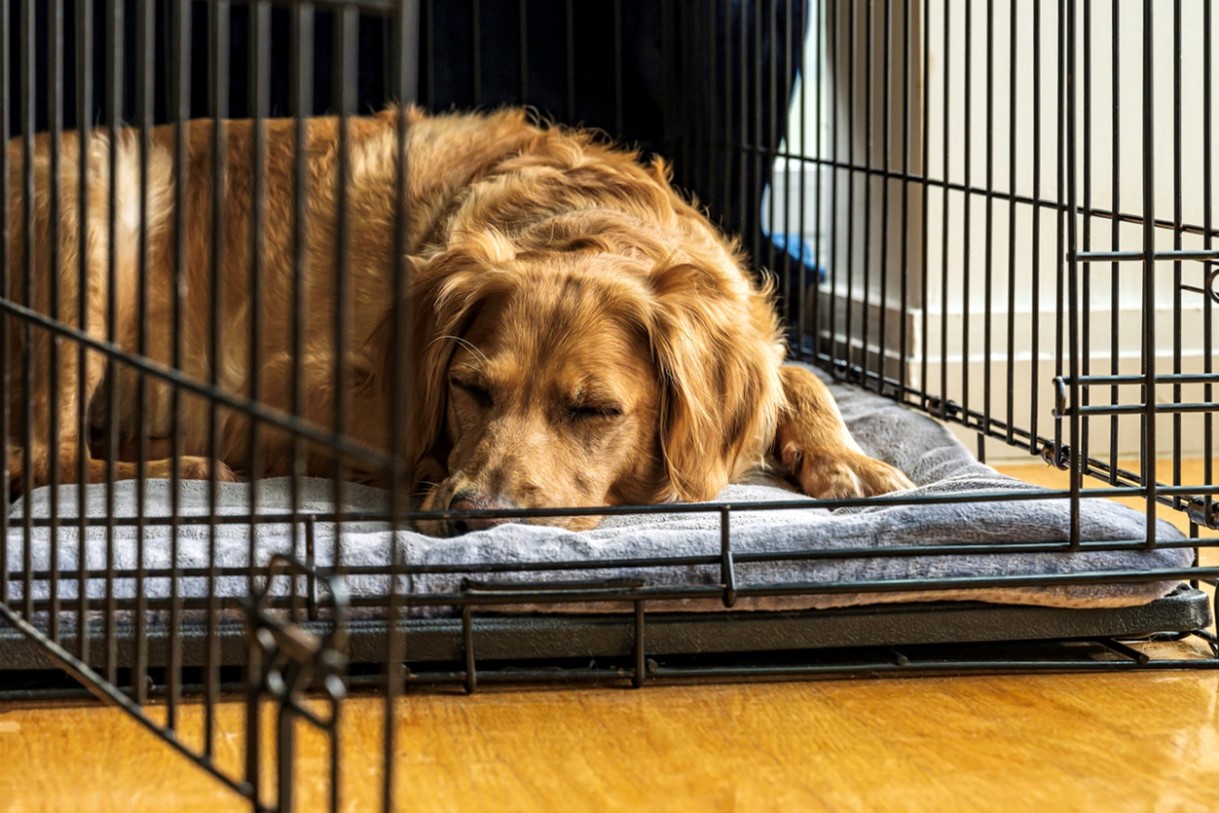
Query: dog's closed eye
x,y
592,412
476,390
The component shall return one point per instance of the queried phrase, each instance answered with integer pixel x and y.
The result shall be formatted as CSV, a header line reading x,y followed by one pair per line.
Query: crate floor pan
x,y
945,637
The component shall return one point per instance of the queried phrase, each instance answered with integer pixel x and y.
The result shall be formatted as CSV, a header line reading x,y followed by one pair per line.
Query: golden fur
x,y
580,334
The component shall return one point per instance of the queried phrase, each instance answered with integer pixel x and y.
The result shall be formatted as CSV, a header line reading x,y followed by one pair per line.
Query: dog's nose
x,y
470,501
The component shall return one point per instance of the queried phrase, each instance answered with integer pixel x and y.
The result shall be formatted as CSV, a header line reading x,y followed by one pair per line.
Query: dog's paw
x,y
200,468
38,473
841,474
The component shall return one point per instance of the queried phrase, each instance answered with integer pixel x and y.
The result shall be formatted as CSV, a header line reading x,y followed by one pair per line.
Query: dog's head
x,y
583,371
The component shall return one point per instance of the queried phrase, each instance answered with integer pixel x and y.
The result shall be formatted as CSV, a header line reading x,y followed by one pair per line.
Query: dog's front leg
x,y
817,448
63,449
47,416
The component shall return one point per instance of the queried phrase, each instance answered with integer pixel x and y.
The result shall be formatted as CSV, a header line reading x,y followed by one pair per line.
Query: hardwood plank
x,y
1086,742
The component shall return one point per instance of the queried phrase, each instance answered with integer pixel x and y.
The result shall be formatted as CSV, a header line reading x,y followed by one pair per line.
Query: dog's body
x,y
580,335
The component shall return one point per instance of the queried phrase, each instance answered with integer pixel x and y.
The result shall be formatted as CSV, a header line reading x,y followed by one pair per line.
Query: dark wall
x,y
705,82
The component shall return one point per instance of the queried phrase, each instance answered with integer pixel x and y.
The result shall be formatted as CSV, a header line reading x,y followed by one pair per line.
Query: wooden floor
x,y
1088,743
1137,742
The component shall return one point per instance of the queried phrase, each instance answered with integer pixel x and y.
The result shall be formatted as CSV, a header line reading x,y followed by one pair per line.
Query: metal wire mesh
x,y
971,188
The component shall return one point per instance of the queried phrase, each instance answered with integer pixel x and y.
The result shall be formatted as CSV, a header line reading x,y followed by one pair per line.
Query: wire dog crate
x,y
997,213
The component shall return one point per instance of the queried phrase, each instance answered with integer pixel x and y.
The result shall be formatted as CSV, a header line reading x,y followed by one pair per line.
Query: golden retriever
x,y
580,335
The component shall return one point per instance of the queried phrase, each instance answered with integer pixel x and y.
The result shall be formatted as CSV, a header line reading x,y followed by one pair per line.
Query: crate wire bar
x,y
868,135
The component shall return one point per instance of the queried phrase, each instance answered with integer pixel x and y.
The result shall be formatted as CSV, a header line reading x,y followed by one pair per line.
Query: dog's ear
x,y
445,292
720,384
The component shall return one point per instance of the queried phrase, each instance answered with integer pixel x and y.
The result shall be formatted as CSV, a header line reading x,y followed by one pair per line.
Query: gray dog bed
x,y
921,447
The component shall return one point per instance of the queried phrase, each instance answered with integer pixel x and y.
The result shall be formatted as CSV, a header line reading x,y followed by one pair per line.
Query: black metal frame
x,y
744,55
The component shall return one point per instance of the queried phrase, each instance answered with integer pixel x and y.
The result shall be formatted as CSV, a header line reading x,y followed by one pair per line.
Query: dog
x,y
579,334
